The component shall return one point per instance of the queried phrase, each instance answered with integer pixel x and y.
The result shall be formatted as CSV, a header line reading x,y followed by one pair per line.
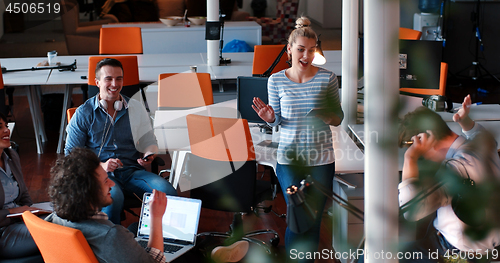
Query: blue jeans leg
x,y
287,175
141,181
130,180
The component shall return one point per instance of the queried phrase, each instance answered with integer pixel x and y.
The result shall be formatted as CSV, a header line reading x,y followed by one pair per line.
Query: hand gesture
x,y
264,111
112,164
464,111
158,204
422,143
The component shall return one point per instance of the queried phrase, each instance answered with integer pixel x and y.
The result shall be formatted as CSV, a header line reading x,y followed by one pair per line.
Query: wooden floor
x,y
36,169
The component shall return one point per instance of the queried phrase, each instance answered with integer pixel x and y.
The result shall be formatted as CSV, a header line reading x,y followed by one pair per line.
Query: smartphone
x,y
145,158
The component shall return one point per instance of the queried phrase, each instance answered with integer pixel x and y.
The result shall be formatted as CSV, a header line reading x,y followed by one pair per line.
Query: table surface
x,y
150,66
171,132
493,126
159,26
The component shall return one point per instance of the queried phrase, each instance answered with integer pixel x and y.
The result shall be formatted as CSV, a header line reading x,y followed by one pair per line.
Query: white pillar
x,y
350,11
381,25
213,45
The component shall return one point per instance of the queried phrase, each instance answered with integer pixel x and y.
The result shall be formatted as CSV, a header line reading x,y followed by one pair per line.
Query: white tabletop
x,y
359,132
149,66
492,126
482,112
171,132
155,27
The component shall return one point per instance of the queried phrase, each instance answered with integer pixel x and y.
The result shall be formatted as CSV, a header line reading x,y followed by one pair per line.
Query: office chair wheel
x,y
275,241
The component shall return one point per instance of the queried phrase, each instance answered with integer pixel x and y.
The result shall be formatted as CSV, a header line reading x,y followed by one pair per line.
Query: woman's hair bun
x,y
302,22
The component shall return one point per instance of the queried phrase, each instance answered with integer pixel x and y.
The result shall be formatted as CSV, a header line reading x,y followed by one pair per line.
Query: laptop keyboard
x,y
167,248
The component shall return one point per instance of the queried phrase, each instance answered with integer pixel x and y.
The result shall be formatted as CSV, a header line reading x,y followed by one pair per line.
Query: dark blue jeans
x,y
298,244
131,180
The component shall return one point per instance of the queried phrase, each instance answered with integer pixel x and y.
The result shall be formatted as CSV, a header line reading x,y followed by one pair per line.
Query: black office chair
x,y
222,172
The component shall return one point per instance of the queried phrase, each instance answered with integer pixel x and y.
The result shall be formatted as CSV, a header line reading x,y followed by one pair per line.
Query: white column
x,y
213,45
349,61
381,24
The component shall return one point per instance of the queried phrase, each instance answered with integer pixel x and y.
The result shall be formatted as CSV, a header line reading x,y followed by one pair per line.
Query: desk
x,y
492,126
482,112
158,38
33,80
171,132
150,66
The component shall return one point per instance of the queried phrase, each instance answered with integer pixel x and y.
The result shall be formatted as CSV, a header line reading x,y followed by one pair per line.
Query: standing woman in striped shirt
x,y
305,145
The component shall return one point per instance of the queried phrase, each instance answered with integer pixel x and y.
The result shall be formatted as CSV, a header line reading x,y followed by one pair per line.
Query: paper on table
x,y
44,208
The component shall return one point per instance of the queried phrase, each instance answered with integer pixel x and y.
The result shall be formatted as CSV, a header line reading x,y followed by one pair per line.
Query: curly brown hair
x,y
74,188
419,121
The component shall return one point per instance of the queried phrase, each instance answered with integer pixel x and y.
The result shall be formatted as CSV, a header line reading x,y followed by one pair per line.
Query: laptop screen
x,y
180,221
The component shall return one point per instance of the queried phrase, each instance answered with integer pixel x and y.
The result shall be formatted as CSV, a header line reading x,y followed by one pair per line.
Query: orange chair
x,y
70,112
264,56
130,77
184,90
120,40
58,243
409,34
221,171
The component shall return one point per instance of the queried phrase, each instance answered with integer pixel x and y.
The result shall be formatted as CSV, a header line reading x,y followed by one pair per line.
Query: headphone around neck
x,y
118,105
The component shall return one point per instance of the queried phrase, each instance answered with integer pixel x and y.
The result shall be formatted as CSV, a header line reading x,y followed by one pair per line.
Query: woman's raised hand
x,y
264,111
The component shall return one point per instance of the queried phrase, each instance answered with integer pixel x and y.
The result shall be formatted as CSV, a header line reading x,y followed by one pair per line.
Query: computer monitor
x,y
420,63
247,89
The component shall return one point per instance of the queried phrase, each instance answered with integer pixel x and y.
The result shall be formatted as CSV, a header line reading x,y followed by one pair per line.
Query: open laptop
x,y
180,225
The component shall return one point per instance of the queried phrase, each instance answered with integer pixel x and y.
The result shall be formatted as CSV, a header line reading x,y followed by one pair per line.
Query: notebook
x,y
180,225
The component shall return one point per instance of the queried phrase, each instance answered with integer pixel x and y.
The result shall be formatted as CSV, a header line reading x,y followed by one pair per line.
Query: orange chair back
x,y
409,34
264,56
70,112
220,139
130,69
120,40
58,244
427,92
184,90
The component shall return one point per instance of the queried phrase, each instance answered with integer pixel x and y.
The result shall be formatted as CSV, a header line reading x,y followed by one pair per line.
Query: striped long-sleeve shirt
x,y
304,139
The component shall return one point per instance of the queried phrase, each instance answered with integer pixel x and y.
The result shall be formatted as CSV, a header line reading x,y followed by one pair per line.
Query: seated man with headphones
x,y
119,131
